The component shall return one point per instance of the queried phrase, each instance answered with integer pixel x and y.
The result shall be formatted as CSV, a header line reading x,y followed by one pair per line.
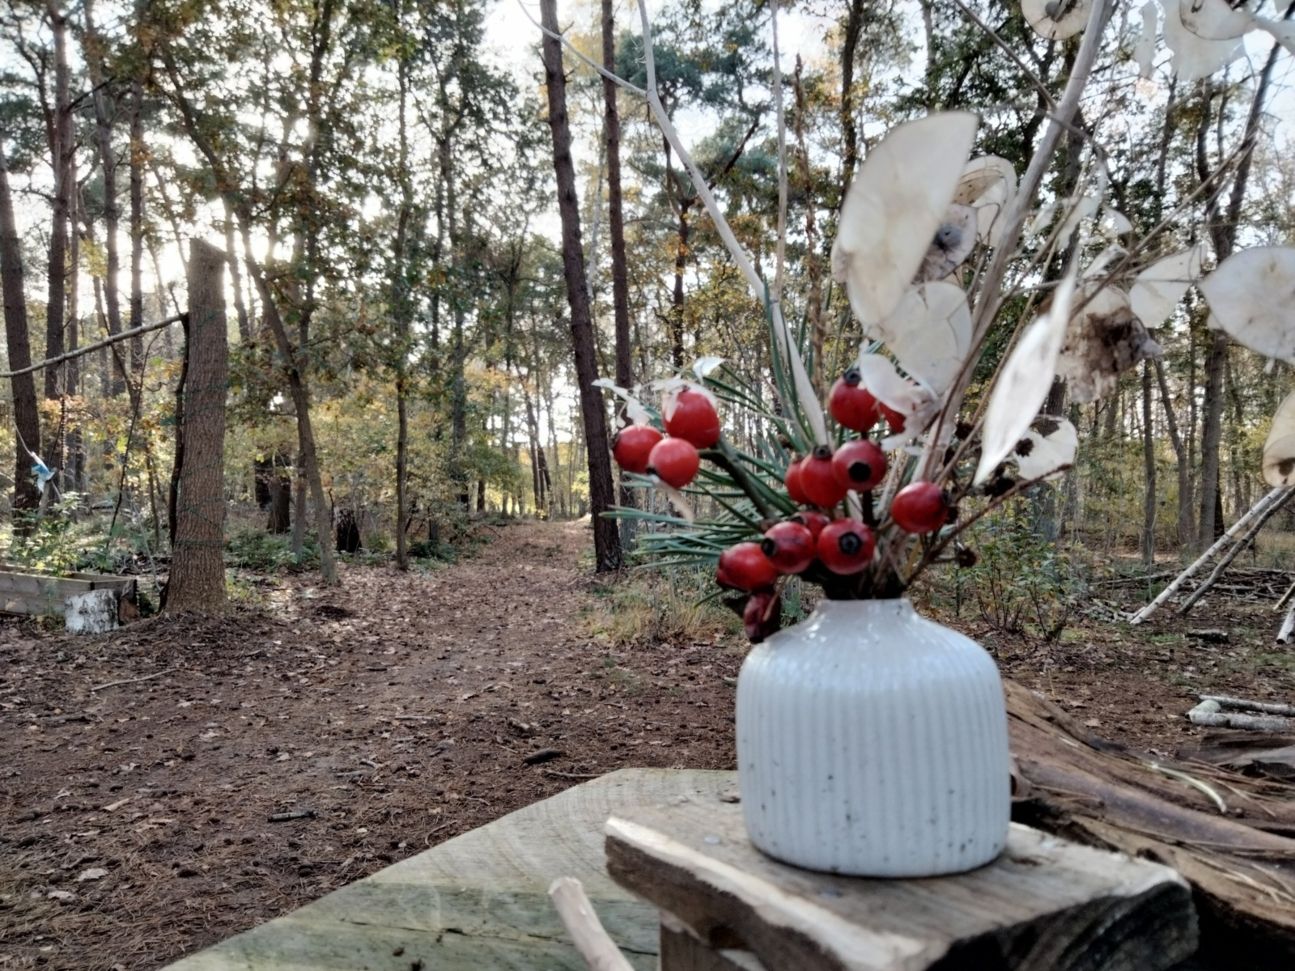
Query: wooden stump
x,y
1046,904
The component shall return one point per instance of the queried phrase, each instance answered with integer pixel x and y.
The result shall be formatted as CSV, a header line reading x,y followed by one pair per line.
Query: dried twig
x,y
586,930
147,677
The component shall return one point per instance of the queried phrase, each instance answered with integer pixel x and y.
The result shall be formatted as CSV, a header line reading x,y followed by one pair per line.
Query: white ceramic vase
x,y
873,742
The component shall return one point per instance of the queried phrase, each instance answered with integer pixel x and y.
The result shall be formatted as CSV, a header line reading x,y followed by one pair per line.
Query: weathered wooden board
x,y
41,594
1045,904
478,901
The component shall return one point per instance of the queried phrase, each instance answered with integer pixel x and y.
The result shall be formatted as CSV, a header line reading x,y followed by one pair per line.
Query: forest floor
x,y
142,775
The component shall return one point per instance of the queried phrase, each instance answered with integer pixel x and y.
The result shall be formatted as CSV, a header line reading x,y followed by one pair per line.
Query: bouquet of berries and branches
x,y
936,248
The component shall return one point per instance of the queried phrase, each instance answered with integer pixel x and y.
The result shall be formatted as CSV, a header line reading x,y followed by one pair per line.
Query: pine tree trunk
x,y
607,549
26,414
197,579
850,155
1149,473
616,231
62,148
93,47
1211,434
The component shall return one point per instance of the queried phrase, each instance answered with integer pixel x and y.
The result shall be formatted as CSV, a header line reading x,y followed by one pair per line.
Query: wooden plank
x,y
43,594
1044,905
478,901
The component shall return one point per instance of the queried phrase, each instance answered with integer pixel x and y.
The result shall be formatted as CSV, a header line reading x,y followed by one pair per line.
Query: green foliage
x,y
267,553
1022,583
50,541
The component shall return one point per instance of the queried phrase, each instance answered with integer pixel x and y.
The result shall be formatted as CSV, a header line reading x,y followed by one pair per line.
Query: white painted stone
x,y
93,612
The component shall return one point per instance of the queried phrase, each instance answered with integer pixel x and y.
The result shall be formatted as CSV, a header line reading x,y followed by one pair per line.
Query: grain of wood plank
x,y
1045,905
478,901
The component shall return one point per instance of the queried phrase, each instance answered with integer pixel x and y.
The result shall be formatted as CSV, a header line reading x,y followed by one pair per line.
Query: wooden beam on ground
x,y
478,901
1045,905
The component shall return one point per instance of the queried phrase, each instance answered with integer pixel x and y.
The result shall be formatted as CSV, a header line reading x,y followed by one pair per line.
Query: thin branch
x,y
614,78
95,346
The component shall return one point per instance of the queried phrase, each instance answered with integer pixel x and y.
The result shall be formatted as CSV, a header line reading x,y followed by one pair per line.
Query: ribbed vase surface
x,y
873,742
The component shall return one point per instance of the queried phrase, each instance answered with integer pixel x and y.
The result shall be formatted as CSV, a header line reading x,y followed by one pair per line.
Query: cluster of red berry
x,y
692,424
812,540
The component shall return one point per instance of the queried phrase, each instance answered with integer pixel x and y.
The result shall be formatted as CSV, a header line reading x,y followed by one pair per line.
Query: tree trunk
x,y
1211,434
1149,467
850,156
402,313
22,387
74,460
62,148
616,230
236,280
615,203
197,579
676,297
1223,227
607,550
1186,511
93,47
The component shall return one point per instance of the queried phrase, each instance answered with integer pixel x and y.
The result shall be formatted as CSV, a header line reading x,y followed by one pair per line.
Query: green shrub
x,y
269,553
1021,583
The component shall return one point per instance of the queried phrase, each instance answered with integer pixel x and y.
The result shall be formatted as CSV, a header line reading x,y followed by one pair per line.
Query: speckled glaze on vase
x,y
873,742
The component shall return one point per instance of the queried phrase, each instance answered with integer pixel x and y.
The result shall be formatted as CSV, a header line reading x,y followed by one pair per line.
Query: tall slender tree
x,y
22,386
607,547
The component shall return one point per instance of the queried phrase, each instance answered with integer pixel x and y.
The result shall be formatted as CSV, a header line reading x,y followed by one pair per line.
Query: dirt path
x,y
135,820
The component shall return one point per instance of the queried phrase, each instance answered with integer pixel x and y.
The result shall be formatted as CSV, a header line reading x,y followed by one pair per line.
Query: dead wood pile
x,y
1231,835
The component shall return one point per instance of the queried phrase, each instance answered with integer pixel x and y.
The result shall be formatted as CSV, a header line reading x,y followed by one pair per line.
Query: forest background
x,y
403,356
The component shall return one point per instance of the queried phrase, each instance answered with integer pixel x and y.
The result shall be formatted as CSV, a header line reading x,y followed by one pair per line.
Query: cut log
x,y
1211,714
1288,627
1044,905
1241,866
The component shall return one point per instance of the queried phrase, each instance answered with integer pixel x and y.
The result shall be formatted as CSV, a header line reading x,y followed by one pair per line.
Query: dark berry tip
x,y
822,452
860,472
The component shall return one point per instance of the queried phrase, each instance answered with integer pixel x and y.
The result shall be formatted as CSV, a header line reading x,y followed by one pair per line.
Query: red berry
x,y
674,461
851,404
814,520
845,546
789,546
920,507
859,465
745,567
818,480
632,445
762,615
694,419
795,490
894,419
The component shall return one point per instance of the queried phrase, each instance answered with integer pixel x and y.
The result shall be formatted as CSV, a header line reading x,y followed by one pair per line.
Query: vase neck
x,y
847,610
